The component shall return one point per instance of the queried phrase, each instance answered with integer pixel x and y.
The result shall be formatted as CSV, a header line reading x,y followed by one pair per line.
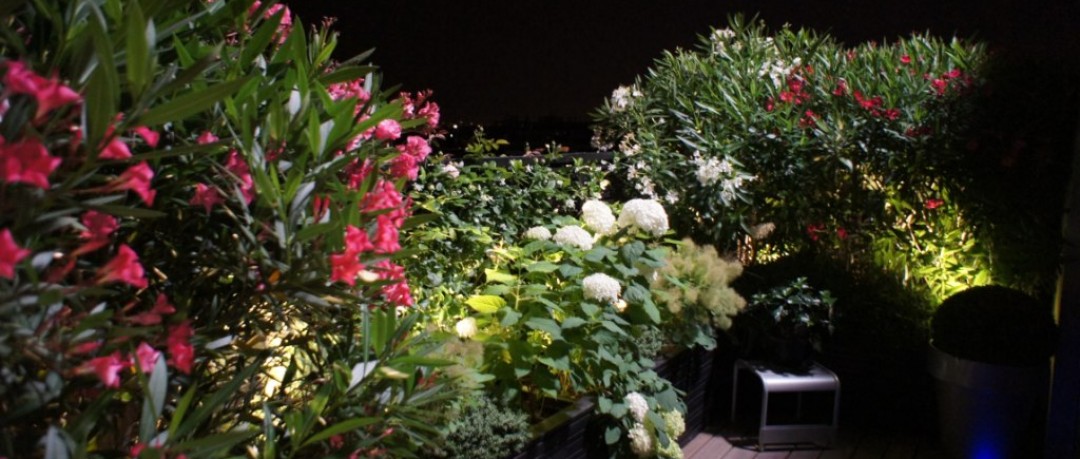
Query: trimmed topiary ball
x,y
995,324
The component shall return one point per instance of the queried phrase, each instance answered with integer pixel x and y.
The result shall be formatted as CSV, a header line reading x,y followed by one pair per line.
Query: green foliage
x,y
484,429
794,309
793,142
471,210
997,325
481,145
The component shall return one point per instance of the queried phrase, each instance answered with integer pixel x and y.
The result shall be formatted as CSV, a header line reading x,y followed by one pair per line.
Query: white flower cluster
x,y
602,287
623,96
538,233
573,236
629,146
639,407
778,70
720,37
597,216
711,170
641,443
642,182
674,422
646,215
466,328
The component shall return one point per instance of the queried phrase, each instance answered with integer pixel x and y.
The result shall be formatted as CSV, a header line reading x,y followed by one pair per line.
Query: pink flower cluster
x,y
108,368
238,172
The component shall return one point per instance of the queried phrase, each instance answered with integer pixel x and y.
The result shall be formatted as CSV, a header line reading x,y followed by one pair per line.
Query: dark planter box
x,y
572,433
565,434
691,371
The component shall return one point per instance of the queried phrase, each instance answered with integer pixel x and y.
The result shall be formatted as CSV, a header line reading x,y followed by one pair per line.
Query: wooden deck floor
x,y
850,444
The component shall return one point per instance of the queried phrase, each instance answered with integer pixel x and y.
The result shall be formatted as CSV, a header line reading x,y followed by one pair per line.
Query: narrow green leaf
x,y
191,103
262,37
542,267
138,48
341,427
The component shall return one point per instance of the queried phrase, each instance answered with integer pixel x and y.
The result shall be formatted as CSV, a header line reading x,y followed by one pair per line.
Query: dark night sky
x,y
490,60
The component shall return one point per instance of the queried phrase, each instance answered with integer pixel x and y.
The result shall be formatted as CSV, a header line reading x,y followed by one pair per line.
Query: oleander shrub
x,y
199,237
768,143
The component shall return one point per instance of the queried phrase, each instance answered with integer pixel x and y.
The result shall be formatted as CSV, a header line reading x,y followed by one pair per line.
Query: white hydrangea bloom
x,y
598,217
601,287
538,233
674,423
574,236
639,407
641,443
466,328
646,215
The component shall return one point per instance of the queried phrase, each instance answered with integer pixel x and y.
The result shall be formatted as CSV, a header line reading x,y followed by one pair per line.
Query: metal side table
x,y
816,379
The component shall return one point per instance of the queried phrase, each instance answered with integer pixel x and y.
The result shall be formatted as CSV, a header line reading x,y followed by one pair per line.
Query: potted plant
x,y
784,325
990,352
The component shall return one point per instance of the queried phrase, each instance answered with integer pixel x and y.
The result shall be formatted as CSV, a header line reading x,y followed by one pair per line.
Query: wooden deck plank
x,y
873,444
844,446
902,445
714,447
695,445
741,453
806,454
774,454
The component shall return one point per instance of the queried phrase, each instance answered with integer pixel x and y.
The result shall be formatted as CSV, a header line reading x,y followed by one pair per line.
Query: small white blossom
x,y
646,215
538,233
451,170
622,97
466,328
671,197
597,216
641,443
639,407
601,287
574,236
674,423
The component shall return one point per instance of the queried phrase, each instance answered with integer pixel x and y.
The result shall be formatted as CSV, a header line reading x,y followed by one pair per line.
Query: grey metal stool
x,y
817,379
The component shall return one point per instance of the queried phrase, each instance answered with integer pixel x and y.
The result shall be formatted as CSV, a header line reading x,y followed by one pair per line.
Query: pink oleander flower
x,y
416,147
344,267
181,352
26,161
356,240
387,130
206,137
384,196
150,136
386,235
137,179
153,316
115,149
146,356
206,196
98,225
404,166
397,292
933,203
124,267
10,254
431,112
284,27
939,86
98,228
905,59
49,93
239,168
357,172
107,368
